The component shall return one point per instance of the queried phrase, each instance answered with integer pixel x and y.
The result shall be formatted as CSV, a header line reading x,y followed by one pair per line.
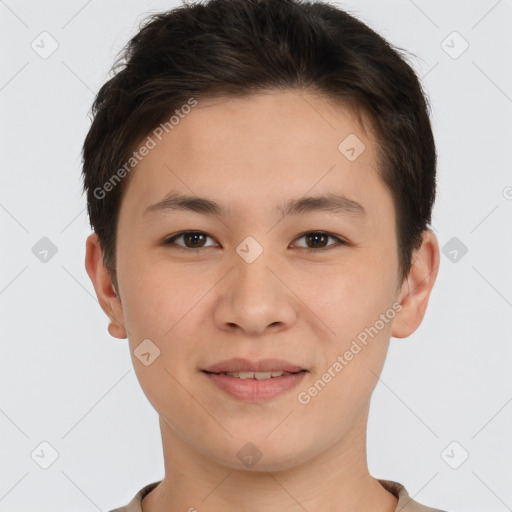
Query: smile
x,y
255,386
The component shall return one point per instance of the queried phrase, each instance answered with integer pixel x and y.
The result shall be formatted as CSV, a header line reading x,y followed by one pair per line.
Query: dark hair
x,y
238,47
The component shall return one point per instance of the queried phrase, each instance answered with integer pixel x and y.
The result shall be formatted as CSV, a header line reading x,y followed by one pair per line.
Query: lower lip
x,y
254,390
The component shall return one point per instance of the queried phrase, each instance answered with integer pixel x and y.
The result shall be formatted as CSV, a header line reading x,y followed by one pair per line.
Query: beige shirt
x,y
405,502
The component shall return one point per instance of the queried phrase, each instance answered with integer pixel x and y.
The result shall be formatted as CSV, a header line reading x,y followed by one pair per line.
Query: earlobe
x,y
105,290
116,330
416,289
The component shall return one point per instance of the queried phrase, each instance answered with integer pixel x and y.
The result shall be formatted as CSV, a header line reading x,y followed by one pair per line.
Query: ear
x,y
105,291
416,288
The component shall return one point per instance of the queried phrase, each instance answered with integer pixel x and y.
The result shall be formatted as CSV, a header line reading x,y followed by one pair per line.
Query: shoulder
x,y
405,502
135,503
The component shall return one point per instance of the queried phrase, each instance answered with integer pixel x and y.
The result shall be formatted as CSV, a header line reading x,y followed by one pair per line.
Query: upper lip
x,y
239,364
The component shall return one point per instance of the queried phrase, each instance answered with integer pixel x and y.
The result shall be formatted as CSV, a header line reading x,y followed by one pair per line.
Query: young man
x,y
260,176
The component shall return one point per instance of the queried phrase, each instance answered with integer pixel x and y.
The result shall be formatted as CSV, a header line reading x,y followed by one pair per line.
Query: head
x,y
258,105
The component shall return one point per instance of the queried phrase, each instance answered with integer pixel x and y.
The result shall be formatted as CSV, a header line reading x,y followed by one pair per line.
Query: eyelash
x,y
341,241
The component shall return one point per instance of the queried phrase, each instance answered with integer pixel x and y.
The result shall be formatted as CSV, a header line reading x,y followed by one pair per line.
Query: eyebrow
x,y
332,203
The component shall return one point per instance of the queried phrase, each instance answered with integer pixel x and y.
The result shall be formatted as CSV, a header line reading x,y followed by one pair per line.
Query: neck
x,y
334,480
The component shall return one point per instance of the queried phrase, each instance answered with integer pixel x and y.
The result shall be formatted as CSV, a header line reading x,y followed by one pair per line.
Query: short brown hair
x,y
239,47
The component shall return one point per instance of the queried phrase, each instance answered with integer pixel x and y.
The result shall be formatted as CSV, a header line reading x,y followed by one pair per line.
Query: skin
x,y
199,308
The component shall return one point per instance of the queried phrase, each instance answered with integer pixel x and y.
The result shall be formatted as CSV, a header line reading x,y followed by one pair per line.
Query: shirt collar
x,y
405,502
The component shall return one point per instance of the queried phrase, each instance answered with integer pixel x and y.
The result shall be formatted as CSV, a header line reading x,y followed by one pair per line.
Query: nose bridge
x,y
253,282
252,258
254,297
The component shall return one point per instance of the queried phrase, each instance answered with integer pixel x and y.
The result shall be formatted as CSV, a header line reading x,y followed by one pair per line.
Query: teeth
x,y
255,375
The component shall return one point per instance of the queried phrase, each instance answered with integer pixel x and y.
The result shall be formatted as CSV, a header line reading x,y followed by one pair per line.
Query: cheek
x,y
350,297
355,347
156,296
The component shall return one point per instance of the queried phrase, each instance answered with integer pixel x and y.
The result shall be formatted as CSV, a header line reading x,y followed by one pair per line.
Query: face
x,y
315,284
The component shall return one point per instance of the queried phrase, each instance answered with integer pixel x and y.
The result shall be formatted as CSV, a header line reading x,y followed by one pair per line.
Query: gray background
x,y
66,382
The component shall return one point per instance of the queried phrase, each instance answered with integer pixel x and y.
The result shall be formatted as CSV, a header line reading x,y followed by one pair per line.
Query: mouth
x,y
256,375
255,387
243,366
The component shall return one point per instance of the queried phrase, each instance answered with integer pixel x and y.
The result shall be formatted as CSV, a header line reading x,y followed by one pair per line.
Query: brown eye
x,y
191,239
318,240
315,240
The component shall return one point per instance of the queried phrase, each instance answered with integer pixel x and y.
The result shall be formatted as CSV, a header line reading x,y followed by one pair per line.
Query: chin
x,y
262,455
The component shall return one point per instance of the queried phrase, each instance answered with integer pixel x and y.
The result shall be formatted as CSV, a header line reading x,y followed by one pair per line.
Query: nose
x,y
255,298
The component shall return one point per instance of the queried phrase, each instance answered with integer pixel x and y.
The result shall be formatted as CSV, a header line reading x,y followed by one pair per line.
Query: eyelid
x,y
340,240
171,239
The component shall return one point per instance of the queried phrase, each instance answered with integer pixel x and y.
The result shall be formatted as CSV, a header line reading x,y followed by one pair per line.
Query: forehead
x,y
270,127
259,148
